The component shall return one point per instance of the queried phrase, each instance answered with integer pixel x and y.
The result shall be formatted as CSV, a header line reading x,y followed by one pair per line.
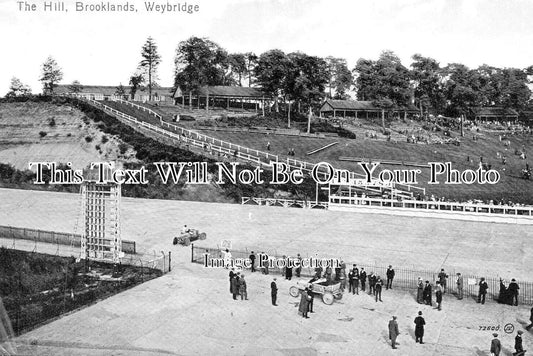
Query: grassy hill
x,y
371,144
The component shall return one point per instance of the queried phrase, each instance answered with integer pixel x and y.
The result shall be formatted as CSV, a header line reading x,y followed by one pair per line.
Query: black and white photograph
x,y
266,177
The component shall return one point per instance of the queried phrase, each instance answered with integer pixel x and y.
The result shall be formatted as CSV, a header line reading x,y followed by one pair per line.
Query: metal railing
x,y
285,203
140,107
404,278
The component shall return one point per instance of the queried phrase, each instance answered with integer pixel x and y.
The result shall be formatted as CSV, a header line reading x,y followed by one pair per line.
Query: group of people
x,y
419,322
237,285
496,345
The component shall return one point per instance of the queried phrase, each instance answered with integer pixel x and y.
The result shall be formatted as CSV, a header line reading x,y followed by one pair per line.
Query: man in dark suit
x,y
427,293
350,282
513,291
378,287
495,345
362,278
393,331
483,286
519,348
390,277
419,327
231,275
274,292
252,260
371,283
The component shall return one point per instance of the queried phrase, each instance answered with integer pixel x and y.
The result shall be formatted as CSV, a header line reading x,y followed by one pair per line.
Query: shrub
x,y
123,147
97,147
42,134
88,139
104,139
52,122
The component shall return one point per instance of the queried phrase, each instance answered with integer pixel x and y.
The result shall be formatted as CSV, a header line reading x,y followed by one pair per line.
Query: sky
x,y
103,48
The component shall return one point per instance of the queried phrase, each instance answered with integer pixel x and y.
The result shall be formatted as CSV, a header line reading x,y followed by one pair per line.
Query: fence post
x,y
192,252
169,260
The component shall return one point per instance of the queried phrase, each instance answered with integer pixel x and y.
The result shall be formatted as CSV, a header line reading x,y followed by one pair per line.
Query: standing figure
x,y
483,286
495,345
427,293
442,279
513,291
328,275
252,261
288,269
342,276
459,283
299,268
371,283
274,292
519,349
350,281
393,331
242,288
419,328
362,278
231,275
235,286
390,277
420,291
304,303
439,291
378,287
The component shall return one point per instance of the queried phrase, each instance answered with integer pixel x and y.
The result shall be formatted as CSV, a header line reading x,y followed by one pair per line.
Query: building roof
x,y
353,105
109,90
495,111
227,91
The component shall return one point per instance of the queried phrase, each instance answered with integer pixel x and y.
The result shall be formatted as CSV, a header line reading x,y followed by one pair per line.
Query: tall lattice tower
x,y
100,238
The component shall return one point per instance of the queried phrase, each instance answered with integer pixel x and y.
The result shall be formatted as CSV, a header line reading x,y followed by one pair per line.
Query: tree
x,y
238,68
340,78
121,91
17,88
385,78
199,62
75,87
51,75
271,71
149,63
427,77
306,78
136,81
461,89
251,62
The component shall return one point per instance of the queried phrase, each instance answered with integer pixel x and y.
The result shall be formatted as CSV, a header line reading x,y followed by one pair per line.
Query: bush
x,y
104,139
42,134
123,148
97,147
52,122
88,139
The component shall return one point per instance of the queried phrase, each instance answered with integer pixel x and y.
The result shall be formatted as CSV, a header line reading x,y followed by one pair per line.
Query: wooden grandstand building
x,y
222,96
102,92
362,109
493,113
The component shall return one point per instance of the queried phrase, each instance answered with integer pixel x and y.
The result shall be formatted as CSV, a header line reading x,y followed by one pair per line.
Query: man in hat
x,y
439,291
459,283
483,286
420,291
427,294
393,331
513,291
390,277
351,274
372,283
495,345
442,279
419,328
304,303
362,278
299,268
519,349
274,292
252,261
377,288
242,288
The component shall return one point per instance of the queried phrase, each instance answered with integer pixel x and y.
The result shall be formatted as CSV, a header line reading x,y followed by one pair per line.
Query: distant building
x,y
102,92
222,96
493,113
362,109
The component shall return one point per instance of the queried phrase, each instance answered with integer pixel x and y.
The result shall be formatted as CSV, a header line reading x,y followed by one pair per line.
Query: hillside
x,y
371,145
31,132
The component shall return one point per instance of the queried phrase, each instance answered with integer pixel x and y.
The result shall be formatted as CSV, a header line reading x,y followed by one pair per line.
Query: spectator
x,y
299,268
427,293
495,345
513,291
483,286
235,286
393,331
439,290
362,278
530,319
519,349
242,288
304,303
252,261
419,328
390,277
378,287
442,279
268,146
274,292
371,283
420,291
231,275
459,283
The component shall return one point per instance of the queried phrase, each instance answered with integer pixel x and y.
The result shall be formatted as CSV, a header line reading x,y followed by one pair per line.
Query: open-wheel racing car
x,y
185,238
329,291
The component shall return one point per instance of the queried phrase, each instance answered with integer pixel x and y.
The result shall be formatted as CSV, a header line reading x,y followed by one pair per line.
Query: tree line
x,y
305,80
